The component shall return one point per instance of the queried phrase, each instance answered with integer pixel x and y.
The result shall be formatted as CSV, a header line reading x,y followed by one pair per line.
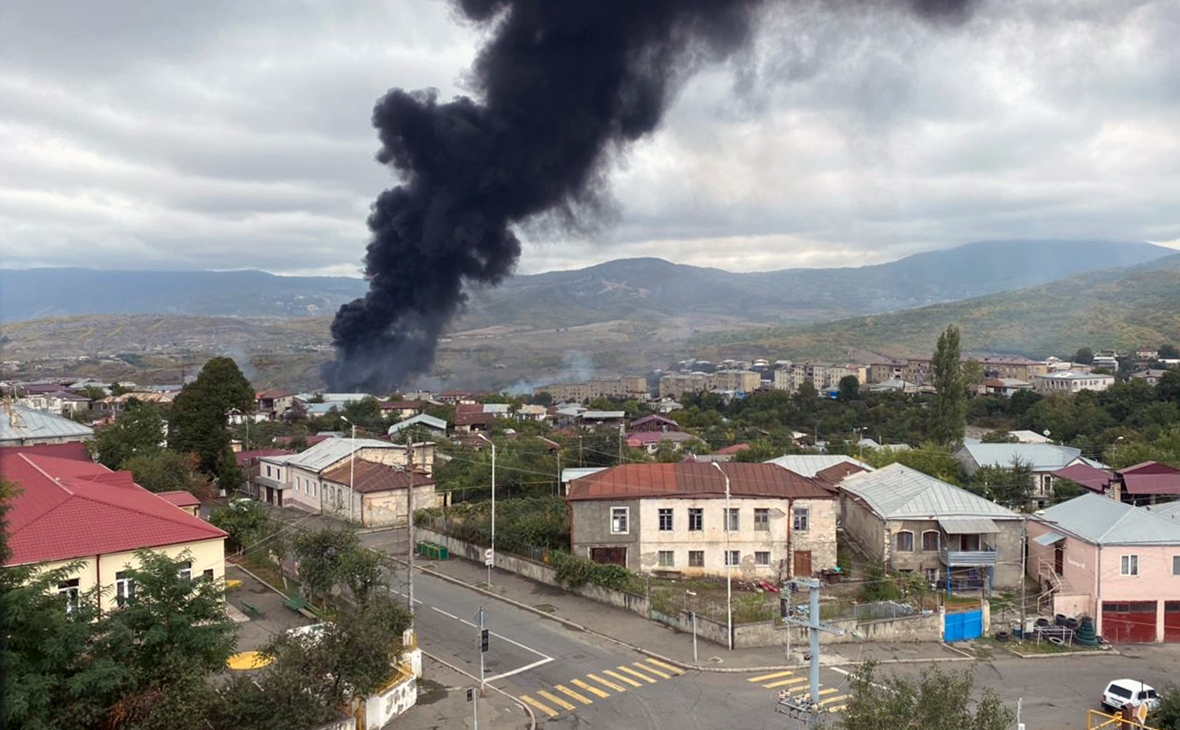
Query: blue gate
x,y
963,625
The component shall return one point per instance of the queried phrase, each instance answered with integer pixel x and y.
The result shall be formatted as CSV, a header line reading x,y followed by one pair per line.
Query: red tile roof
x,y
70,509
836,472
401,404
75,450
274,393
696,479
730,450
180,498
369,476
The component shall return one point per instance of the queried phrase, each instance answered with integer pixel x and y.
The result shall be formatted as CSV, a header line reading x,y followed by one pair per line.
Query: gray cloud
x,y
226,135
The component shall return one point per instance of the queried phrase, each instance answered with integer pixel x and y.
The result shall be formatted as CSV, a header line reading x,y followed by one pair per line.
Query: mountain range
x,y
628,289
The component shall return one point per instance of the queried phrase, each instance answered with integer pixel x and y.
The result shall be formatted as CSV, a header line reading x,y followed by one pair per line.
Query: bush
x,y
573,572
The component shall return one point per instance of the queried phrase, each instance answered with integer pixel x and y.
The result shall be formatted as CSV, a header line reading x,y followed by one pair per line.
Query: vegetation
x,y
248,525
948,411
572,571
938,701
198,420
168,471
522,524
139,431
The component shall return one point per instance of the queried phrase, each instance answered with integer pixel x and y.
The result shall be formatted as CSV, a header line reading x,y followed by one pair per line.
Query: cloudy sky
x,y
228,134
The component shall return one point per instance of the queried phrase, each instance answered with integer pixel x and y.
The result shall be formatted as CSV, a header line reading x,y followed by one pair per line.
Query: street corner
x,y
449,700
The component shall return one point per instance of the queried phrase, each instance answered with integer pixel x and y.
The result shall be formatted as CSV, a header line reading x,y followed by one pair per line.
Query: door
x,y
1059,557
1128,622
802,563
609,555
963,625
1172,621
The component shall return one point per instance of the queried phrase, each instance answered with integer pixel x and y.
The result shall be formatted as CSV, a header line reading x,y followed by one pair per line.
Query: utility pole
x,y
728,563
410,520
481,617
1023,573
808,707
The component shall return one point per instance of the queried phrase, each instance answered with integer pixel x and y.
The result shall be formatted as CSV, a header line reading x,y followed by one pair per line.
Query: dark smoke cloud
x,y
563,86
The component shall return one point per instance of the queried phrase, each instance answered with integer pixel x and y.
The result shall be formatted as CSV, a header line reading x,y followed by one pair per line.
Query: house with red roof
x,y
74,511
273,403
376,494
676,518
1148,483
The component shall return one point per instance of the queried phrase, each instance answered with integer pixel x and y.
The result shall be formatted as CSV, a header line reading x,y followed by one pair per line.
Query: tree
x,y
139,430
324,559
198,421
999,437
246,522
168,471
938,701
948,410
929,459
1084,356
849,388
1167,717
1168,352
1011,486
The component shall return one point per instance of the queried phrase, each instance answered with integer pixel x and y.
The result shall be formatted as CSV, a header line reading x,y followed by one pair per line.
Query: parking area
x,y
263,609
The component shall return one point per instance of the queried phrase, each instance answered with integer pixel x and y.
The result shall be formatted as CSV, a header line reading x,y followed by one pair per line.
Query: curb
x,y
1101,652
528,711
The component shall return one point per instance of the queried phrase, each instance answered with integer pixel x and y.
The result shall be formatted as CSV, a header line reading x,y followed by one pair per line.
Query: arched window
x,y
930,540
905,541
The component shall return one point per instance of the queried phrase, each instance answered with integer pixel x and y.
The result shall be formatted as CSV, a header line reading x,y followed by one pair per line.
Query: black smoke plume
x,y
562,85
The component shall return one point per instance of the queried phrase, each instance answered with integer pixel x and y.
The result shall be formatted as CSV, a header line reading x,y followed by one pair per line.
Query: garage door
x,y
1172,621
1130,622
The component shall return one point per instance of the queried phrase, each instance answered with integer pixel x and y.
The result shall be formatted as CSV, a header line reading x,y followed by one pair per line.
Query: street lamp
x,y
493,560
351,468
728,566
693,616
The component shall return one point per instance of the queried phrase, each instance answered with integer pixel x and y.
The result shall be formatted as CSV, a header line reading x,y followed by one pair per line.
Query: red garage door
x,y
1126,622
1172,621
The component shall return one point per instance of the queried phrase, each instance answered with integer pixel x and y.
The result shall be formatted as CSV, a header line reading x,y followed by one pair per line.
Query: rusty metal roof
x,y
696,479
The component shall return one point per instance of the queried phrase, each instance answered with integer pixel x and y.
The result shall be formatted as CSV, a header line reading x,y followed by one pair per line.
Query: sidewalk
x,y
656,639
442,705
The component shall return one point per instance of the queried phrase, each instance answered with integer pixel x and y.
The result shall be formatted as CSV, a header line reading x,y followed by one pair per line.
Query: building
x,y
20,426
375,494
1071,381
1147,483
473,417
650,441
114,405
671,517
300,476
1015,368
626,387
62,402
1151,376
1005,386
1113,561
426,422
1088,477
402,409
915,523
1041,459
810,465
274,403
70,511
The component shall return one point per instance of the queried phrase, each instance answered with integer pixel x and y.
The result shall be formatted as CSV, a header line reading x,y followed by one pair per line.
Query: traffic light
x,y
483,640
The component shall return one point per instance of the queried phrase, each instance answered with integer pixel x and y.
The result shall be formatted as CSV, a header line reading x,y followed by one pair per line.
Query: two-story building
x,y
673,518
1041,459
300,476
1113,561
914,523
374,494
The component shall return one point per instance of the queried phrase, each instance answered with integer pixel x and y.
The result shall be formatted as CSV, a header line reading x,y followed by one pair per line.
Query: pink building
x,y
1113,561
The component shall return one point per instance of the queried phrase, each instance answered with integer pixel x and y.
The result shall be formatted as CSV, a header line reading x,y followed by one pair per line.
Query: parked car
x,y
1122,691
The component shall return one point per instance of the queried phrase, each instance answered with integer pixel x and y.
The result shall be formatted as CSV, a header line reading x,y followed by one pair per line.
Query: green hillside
x,y
1120,309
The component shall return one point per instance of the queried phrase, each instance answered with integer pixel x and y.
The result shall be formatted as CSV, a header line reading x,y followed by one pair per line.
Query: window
x,y
802,519
667,559
732,557
268,469
732,522
124,588
1176,565
696,558
666,520
762,519
618,520
930,541
186,571
762,557
71,591
207,574
1130,565
932,575
696,519
905,542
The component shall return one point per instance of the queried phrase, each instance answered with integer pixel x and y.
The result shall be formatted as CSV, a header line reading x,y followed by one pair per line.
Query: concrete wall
x,y
820,537
864,528
590,527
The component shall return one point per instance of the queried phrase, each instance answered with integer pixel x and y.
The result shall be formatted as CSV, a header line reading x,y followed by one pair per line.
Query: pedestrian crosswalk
x,y
792,684
598,685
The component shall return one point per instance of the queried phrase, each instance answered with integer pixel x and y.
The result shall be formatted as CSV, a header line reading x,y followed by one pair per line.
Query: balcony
x,y
967,558
268,482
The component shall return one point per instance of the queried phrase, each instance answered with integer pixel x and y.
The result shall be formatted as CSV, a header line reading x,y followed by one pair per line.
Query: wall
x,y
398,696
1155,581
590,522
820,538
390,508
864,528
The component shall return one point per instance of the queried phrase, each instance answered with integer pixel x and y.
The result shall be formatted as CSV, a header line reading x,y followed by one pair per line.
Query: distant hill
x,y
625,289
1122,309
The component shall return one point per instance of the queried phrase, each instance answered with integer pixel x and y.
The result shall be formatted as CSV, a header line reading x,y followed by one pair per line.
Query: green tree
x,y
139,430
324,559
1011,486
999,437
973,374
849,388
948,410
1083,356
168,471
1168,352
247,523
198,419
929,459
938,701
1167,717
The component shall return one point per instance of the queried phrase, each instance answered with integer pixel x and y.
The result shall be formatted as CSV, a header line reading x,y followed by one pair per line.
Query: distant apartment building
x,y
884,371
674,385
745,380
821,376
629,386
1071,382
1018,368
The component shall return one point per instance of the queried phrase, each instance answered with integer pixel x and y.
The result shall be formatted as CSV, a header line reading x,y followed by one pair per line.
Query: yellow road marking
x,y
621,678
828,691
776,675
607,683
569,692
589,688
555,699
543,708
839,708
657,672
632,672
830,700
785,682
669,667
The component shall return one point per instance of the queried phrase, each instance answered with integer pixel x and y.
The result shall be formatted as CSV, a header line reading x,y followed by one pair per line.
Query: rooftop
x,y
328,452
19,424
368,477
1039,457
809,465
1103,521
696,479
897,492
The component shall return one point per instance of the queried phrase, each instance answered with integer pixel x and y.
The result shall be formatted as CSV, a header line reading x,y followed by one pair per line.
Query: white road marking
x,y
444,613
525,668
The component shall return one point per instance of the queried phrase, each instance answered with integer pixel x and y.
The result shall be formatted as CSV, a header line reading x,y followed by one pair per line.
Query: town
x,y
932,511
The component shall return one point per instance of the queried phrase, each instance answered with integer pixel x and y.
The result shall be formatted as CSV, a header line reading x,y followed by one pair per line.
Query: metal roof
x,y
1168,509
326,453
1103,521
1039,457
696,479
968,525
568,475
423,418
19,425
1049,538
809,465
897,492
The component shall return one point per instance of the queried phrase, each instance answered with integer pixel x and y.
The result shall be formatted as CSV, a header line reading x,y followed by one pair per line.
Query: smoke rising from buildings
x,y
562,87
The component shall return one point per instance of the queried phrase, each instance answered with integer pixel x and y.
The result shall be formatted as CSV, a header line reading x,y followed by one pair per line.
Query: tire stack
x,y
1086,635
